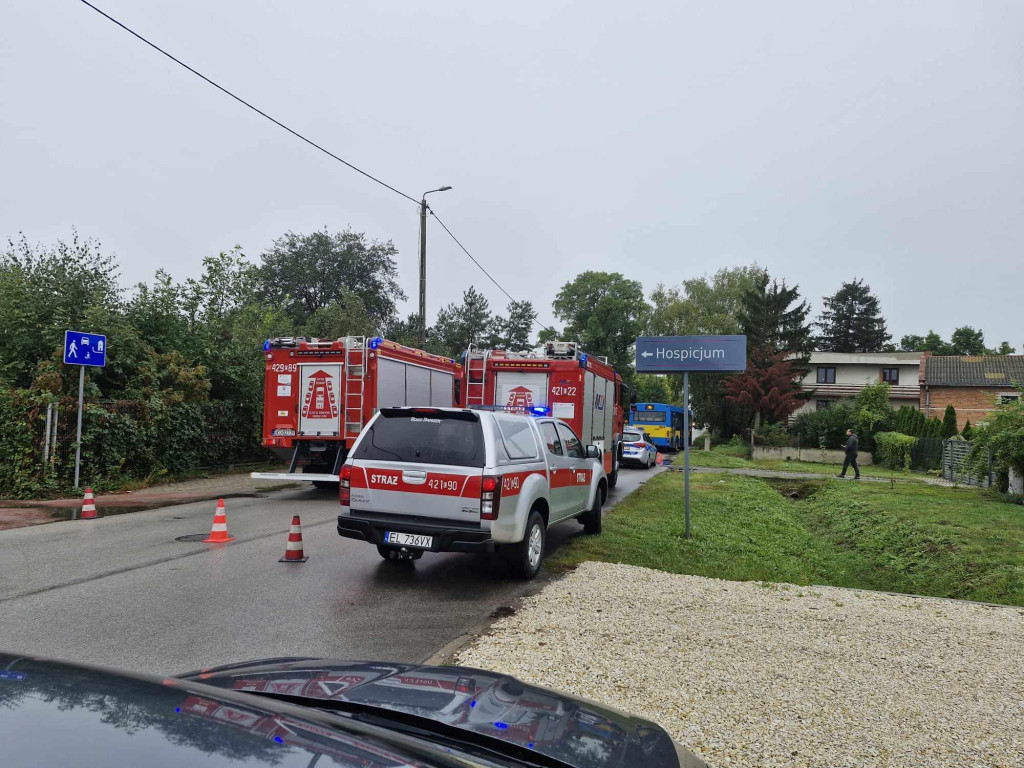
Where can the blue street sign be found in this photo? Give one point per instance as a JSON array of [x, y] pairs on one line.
[[85, 349], [9, 674], [691, 354]]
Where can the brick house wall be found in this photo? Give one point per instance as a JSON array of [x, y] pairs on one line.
[[974, 403]]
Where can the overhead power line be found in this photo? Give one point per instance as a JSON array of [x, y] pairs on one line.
[[240, 100], [299, 136]]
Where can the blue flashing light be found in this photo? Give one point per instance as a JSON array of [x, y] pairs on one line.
[[375, 342], [279, 740], [501, 726], [539, 410], [583, 359], [472, 704], [530, 745], [266, 345], [177, 709]]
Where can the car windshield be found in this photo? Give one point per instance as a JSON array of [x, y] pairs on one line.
[[633, 437], [426, 437]]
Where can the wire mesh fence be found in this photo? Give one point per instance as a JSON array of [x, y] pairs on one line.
[[955, 469]]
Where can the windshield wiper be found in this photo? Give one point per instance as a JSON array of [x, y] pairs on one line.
[[425, 727]]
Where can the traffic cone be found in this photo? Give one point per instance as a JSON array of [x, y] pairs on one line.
[[660, 460], [293, 550], [88, 507], [219, 532]]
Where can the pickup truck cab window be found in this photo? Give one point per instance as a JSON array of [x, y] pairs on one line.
[[547, 431], [573, 447]]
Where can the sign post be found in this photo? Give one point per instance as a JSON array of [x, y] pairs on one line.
[[83, 349], [685, 355]]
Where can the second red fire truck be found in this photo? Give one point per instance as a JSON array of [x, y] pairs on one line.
[[561, 381]]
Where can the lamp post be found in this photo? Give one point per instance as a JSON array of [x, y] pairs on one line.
[[423, 264]]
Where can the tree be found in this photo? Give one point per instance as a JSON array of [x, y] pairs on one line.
[[605, 312], [653, 388], [967, 341], [852, 321], [767, 388], [931, 343], [1005, 349], [949, 422], [968, 430], [772, 315], [45, 290], [875, 414], [514, 331], [460, 325], [303, 273]]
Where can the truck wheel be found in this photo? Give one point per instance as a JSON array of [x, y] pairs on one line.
[[528, 555], [324, 484], [613, 478], [392, 554], [592, 519]]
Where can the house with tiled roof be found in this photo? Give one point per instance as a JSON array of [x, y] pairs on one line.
[[974, 385], [835, 376]]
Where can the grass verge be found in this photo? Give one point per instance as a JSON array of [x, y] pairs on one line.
[[914, 538], [727, 459]]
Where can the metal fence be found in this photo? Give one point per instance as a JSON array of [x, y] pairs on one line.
[[927, 454], [954, 465]]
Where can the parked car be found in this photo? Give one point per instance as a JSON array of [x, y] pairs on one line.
[[289, 713], [460, 480], [638, 448]]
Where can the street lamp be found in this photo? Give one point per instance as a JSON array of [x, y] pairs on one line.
[[423, 264]]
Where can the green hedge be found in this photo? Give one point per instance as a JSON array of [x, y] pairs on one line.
[[893, 450], [121, 441]]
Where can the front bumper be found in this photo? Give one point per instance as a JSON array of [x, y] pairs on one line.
[[448, 536]]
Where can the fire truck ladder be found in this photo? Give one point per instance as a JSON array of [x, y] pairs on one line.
[[355, 379], [475, 387]]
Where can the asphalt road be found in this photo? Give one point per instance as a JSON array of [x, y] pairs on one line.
[[120, 590]]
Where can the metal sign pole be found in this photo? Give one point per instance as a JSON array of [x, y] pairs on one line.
[[78, 441], [686, 446]]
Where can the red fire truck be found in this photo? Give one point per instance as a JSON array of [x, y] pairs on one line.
[[561, 381], [318, 393]]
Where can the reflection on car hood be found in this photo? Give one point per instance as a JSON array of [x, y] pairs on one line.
[[575, 731], [60, 714]]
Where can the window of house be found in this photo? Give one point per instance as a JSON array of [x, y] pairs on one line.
[[826, 375], [823, 404], [891, 375], [1009, 398]]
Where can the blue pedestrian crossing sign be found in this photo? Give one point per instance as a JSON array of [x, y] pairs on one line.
[[85, 349]]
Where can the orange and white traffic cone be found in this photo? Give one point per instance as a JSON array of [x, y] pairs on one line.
[[219, 532], [293, 550], [660, 459], [88, 507]]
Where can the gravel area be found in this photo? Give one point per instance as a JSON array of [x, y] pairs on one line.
[[748, 674]]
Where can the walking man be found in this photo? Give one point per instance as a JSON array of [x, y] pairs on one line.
[[851, 455]]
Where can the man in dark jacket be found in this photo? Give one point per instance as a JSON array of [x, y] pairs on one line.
[[851, 455]]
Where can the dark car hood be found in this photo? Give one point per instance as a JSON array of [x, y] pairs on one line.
[[576, 731], [56, 713]]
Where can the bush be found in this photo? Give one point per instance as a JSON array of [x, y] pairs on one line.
[[908, 420], [949, 422], [826, 428], [968, 430], [893, 450], [1003, 436], [774, 435]]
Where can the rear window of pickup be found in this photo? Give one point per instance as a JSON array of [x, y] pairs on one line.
[[424, 437]]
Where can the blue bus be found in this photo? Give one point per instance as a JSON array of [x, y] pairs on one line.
[[663, 422]]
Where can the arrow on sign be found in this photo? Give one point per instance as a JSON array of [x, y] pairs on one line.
[[647, 354]]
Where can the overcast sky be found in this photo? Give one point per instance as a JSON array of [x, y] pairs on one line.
[[665, 140]]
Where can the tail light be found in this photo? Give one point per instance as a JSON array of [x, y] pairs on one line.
[[345, 486], [465, 685], [490, 496], [639, 445]]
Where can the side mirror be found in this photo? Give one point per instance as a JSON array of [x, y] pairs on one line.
[[593, 452]]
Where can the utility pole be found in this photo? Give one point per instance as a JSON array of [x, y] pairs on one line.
[[423, 264]]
